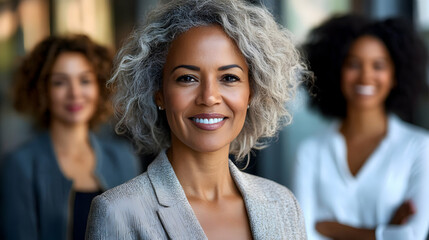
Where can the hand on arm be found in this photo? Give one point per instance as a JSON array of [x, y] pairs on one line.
[[340, 231], [406, 210]]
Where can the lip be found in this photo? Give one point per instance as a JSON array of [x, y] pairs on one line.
[[74, 107], [208, 116]]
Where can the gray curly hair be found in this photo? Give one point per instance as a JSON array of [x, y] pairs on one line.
[[275, 70]]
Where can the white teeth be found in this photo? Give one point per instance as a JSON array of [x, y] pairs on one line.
[[207, 120], [365, 89]]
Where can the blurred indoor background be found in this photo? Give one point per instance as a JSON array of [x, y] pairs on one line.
[[23, 23]]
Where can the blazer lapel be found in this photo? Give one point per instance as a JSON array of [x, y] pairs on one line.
[[263, 218], [175, 212]]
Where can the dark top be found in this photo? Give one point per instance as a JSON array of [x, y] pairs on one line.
[[82, 202]]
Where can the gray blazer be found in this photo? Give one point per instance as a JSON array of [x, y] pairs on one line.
[[154, 206]]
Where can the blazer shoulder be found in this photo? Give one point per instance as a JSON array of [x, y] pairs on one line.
[[133, 188], [25, 154], [278, 204], [125, 211], [270, 189]]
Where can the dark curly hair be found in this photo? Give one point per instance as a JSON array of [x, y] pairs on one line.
[[328, 45], [30, 88]]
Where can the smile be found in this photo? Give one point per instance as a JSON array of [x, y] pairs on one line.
[[74, 108], [207, 120], [366, 90]]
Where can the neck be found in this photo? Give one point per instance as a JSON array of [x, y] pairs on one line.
[[203, 176], [67, 137], [364, 123]]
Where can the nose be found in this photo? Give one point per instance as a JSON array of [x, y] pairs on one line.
[[366, 74], [74, 89], [209, 93]]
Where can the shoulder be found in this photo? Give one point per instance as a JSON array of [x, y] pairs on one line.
[[310, 149], [117, 153], [123, 209], [409, 130], [24, 155], [269, 189], [321, 136], [407, 134], [277, 201], [136, 189], [114, 146], [130, 189], [18, 168]]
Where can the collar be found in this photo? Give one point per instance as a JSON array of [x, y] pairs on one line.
[[171, 196], [48, 148]]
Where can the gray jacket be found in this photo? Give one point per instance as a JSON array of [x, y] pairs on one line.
[[154, 206], [36, 199]]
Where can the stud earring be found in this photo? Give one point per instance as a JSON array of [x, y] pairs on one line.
[[248, 106], [160, 108]]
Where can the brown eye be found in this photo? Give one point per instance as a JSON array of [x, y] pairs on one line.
[[85, 81], [57, 82], [352, 64], [230, 78], [379, 66], [186, 79]]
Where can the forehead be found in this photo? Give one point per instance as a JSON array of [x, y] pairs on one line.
[[369, 46], [71, 61], [203, 43]]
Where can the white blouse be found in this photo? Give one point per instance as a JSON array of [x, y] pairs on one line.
[[398, 170]]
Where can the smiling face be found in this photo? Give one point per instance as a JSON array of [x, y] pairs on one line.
[[367, 74], [73, 89], [205, 90]]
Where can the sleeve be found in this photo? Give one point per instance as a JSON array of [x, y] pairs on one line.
[[417, 226], [303, 185], [17, 199], [104, 222]]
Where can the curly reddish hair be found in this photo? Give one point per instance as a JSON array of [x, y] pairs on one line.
[[31, 91]]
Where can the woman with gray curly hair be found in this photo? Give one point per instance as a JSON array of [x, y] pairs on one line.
[[199, 81]]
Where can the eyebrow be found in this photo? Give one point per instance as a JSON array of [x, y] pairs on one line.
[[64, 74], [195, 68], [229, 67], [190, 67]]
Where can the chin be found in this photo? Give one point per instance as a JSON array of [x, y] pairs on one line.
[[77, 121], [208, 146]]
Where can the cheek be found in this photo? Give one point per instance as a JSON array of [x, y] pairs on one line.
[[388, 80], [177, 98], [238, 99], [347, 79], [56, 95], [175, 103], [348, 75], [92, 93]]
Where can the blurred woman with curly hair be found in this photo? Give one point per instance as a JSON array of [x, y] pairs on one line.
[[366, 176], [199, 81], [47, 184]]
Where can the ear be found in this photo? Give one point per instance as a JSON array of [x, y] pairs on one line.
[[159, 98], [250, 94]]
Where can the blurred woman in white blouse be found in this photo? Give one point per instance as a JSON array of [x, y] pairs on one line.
[[367, 175]]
